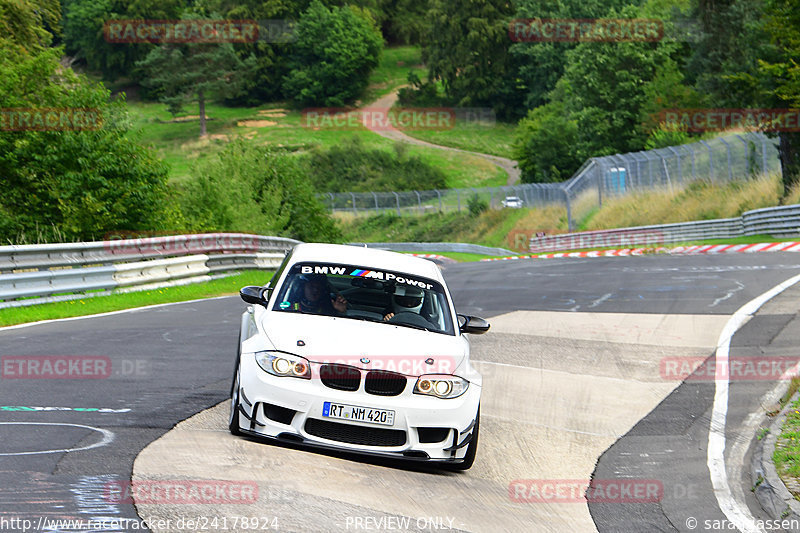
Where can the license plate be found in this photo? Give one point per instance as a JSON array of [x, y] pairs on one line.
[[359, 414]]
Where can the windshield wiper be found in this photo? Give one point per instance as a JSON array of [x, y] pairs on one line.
[[414, 326]]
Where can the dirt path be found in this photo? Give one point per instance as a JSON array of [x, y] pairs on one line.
[[390, 132]]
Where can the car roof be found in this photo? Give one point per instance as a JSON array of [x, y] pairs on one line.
[[366, 257]]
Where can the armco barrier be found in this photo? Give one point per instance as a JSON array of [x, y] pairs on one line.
[[45, 256], [459, 247], [44, 270], [774, 221]]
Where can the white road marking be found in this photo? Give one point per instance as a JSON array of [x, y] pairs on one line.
[[740, 287], [108, 438], [736, 511], [601, 300]]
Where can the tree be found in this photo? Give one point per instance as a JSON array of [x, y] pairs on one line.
[[731, 41], [781, 79], [85, 40], [546, 146], [255, 189], [609, 90], [184, 73], [74, 184], [333, 55], [541, 64], [467, 49], [28, 23]]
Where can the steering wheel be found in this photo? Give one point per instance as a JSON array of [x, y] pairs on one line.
[[407, 317]]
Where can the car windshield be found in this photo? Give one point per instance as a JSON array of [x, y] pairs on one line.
[[362, 293]]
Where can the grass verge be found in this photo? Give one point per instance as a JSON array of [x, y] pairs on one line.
[[392, 72], [128, 300], [787, 450], [177, 141], [486, 138]]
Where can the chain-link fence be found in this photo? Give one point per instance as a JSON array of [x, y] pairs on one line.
[[716, 160]]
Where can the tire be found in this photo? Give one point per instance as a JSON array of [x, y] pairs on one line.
[[233, 418], [472, 447]]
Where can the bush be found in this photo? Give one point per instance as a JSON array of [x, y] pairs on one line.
[[253, 189], [546, 144], [335, 52], [476, 205], [66, 185], [350, 166]]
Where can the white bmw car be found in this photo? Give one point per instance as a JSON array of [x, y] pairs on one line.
[[360, 350]]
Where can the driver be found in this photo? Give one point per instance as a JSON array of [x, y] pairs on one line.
[[316, 299], [406, 299]]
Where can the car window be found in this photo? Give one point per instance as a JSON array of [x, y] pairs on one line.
[[383, 296]]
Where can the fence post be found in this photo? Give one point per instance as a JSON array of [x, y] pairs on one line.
[[710, 160], [440, 198], [397, 200], [599, 179], [728, 149], [746, 153], [570, 225], [678, 156], [419, 201], [376, 201]]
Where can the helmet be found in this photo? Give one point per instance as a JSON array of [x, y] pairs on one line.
[[407, 299]]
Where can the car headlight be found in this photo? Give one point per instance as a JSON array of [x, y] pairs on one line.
[[441, 386], [284, 365]]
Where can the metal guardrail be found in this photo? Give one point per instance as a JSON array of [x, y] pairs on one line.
[[774, 221], [423, 247], [44, 270]]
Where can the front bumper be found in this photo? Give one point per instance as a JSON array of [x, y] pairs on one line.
[[290, 409]]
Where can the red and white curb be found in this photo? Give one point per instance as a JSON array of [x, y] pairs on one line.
[[436, 257], [679, 250]]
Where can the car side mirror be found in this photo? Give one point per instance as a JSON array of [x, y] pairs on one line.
[[473, 324], [255, 295]]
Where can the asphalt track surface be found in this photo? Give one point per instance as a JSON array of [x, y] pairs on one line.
[[168, 363]]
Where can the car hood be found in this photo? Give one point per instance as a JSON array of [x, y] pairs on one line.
[[364, 344]]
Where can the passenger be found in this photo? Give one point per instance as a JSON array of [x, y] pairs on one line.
[[315, 297]]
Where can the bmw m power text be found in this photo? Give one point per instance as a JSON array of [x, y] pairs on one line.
[[358, 350]]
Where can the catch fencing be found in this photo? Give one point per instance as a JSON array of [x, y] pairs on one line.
[[721, 159]]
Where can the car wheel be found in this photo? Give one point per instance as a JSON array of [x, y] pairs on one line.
[[472, 447], [233, 419]]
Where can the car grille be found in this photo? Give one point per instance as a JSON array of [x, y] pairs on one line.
[[384, 383], [340, 377], [351, 434]]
